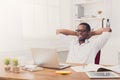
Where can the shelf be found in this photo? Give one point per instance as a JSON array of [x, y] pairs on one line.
[[86, 19], [79, 2]]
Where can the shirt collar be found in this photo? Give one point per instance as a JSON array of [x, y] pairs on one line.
[[86, 41]]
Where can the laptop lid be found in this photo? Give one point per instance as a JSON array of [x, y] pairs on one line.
[[45, 57]]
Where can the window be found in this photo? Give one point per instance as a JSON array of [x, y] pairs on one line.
[[40, 18]]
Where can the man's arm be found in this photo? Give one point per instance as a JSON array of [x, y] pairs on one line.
[[100, 31], [66, 32]]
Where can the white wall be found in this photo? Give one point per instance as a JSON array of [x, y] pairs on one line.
[[111, 50], [23, 24], [41, 18], [11, 25], [16, 24]]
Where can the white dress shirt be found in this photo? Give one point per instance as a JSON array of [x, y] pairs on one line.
[[86, 52]]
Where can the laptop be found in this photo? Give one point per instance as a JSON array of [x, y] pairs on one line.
[[48, 58], [101, 75]]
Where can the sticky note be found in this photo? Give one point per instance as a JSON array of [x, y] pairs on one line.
[[63, 72]]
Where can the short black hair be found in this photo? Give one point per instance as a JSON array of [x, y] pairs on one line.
[[88, 28]]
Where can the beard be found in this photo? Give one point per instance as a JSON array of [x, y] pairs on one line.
[[81, 39]]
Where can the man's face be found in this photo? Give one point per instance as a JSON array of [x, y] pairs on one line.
[[82, 32]]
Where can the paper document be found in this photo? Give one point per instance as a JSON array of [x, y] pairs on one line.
[[32, 68], [89, 67], [94, 67], [115, 68]]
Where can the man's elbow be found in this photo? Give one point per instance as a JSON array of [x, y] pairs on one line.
[[107, 30], [110, 30]]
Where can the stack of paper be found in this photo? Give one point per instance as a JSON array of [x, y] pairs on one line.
[[32, 68]]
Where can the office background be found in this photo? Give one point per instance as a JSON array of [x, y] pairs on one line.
[[25, 24]]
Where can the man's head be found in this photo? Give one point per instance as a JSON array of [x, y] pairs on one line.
[[83, 31]]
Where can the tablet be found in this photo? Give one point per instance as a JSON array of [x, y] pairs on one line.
[[102, 75]]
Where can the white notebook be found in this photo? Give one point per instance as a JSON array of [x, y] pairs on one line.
[[102, 75]]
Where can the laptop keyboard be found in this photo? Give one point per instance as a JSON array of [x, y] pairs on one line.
[[61, 65]]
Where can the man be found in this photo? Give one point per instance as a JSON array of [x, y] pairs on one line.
[[83, 50]]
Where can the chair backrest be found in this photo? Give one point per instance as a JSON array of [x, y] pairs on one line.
[[97, 58]]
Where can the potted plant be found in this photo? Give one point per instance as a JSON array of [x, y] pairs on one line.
[[15, 67], [6, 63]]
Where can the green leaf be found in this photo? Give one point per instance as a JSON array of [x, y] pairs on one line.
[[6, 61], [15, 62]]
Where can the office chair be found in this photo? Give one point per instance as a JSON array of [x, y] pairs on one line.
[[97, 58]]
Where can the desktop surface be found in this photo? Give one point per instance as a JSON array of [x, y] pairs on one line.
[[45, 74]]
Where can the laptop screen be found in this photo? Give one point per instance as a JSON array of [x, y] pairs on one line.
[[45, 57]]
